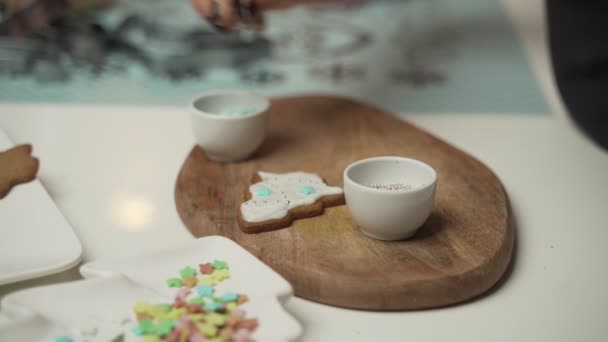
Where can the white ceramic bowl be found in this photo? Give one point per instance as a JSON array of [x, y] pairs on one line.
[[229, 125], [389, 214]]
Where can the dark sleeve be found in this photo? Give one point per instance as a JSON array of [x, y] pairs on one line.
[[578, 38]]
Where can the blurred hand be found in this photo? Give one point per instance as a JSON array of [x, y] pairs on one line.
[[228, 14]]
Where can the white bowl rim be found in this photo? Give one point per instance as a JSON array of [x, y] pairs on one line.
[[199, 112], [389, 192]]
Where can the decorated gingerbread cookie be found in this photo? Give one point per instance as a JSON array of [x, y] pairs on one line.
[[16, 166], [275, 200]]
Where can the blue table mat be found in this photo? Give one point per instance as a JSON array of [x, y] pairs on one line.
[[453, 56]]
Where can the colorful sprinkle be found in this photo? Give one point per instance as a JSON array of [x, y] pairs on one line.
[[219, 265], [231, 306], [213, 306], [206, 268], [174, 282], [249, 324], [142, 307], [182, 294], [197, 301], [307, 190], [216, 319], [203, 317], [187, 272], [164, 327], [220, 275], [205, 290], [229, 297], [207, 329], [196, 337], [151, 338], [238, 313], [147, 327], [163, 307], [190, 282], [207, 281], [264, 192], [226, 333], [243, 298]]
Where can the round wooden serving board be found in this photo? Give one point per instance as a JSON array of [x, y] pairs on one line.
[[462, 250]]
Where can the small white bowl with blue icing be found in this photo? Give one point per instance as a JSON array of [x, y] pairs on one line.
[[229, 125]]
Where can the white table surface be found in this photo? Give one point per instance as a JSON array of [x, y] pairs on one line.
[[111, 170]]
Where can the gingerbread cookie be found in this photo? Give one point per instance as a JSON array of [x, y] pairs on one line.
[[275, 200], [17, 166]]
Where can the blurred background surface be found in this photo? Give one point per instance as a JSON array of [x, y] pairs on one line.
[[405, 56]]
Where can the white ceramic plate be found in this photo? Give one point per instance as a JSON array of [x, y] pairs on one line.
[[35, 238], [103, 302]]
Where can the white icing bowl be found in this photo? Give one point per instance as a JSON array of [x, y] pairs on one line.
[[229, 125], [389, 197]]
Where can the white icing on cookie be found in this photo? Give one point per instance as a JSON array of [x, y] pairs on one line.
[[276, 194]]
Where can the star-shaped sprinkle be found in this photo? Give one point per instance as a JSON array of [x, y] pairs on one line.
[[243, 298], [231, 321], [207, 281], [174, 282], [190, 282], [213, 306], [238, 313], [307, 190], [197, 317], [207, 329], [164, 327], [220, 275], [206, 268], [219, 265], [216, 319], [226, 333], [249, 324], [137, 331], [194, 308], [142, 307], [182, 294], [264, 192], [147, 327], [197, 337], [229, 297], [143, 316], [231, 306], [187, 272], [163, 307], [205, 290], [197, 301], [176, 314]]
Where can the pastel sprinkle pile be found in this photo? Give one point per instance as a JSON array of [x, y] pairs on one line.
[[198, 313]]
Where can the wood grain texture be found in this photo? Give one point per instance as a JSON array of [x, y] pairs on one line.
[[300, 212], [461, 251]]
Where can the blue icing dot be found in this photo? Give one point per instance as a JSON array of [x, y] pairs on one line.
[[264, 192], [307, 190]]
